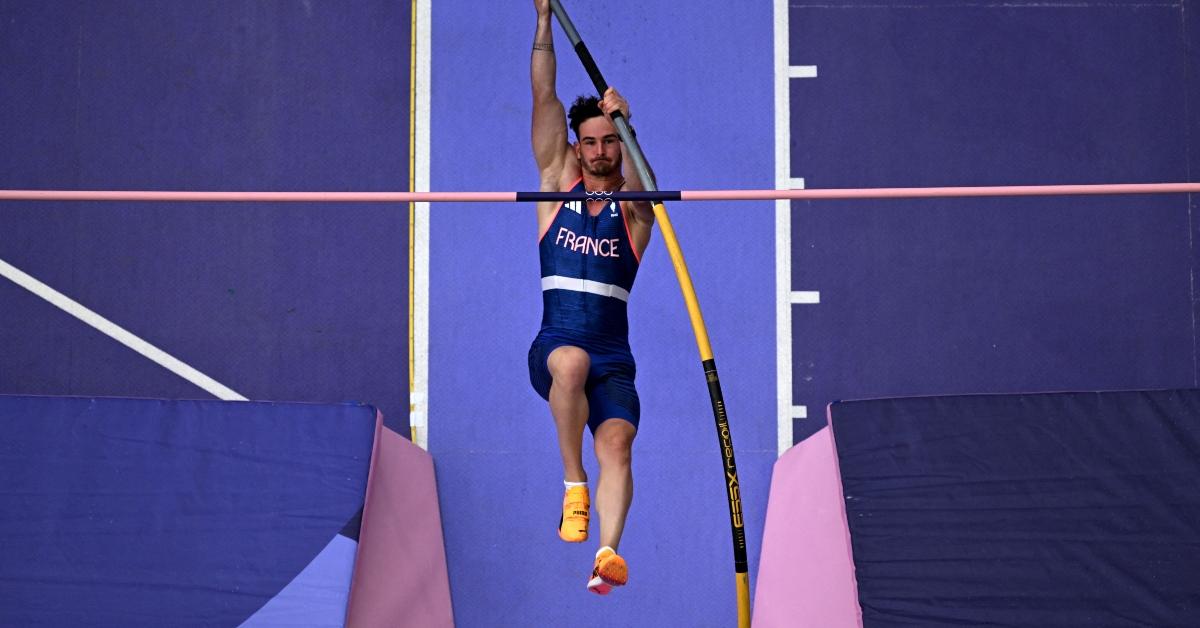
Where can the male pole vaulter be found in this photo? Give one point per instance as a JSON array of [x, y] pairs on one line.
[[580, 360]]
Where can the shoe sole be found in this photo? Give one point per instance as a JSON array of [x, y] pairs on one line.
[[602, 585], [598, 586]]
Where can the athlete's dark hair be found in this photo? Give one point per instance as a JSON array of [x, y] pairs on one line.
[[584, 108]]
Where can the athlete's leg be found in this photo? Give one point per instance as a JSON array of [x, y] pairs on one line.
[[569, 368], [614, 492]]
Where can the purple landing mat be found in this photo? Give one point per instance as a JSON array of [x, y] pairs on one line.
[[177, 513], [1067, 509], [806, 575]]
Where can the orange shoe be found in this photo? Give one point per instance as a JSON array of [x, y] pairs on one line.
[[573, 524], [609, 571]]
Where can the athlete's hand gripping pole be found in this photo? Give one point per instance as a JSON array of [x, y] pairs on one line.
[[733, 489]]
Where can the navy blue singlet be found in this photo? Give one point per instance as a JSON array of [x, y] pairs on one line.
[[588, 268]]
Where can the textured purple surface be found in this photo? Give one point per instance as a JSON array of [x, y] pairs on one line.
[[490, 434]]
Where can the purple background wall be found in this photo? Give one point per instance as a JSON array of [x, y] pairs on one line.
[[491, 436], [285, 302], [992, 295]]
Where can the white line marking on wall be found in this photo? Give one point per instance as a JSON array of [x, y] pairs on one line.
[[783, 233], [118, 333], [799, 412], [805, 297], [418, 417], [802, 71], [796, 183]]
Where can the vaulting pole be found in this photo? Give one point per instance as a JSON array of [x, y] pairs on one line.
[[733, 489]]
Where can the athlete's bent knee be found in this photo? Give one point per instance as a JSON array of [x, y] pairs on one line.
[[569, 366]]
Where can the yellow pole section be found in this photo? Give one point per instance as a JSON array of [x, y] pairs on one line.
[[685, 281], [743, 599]]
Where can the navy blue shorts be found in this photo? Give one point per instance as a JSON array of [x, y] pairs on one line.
[[609, 387]]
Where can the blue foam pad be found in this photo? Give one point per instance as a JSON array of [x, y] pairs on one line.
[[1074, 509], [169, 513]]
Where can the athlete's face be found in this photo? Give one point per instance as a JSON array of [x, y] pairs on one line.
[[599, 147]]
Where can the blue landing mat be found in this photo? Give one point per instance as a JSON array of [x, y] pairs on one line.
[[1073, 509], [122, 512]]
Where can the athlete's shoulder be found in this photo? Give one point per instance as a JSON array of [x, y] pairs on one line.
[[572, 184]]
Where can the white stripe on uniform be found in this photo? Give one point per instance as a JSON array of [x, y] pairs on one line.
[[558, 282]]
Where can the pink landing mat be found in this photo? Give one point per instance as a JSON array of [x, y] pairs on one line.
[[400, 576], [806, 574]]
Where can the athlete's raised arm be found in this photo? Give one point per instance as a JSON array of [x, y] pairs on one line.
[[549, 129]]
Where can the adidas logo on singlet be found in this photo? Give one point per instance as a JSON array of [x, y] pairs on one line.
[[575, 206]]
